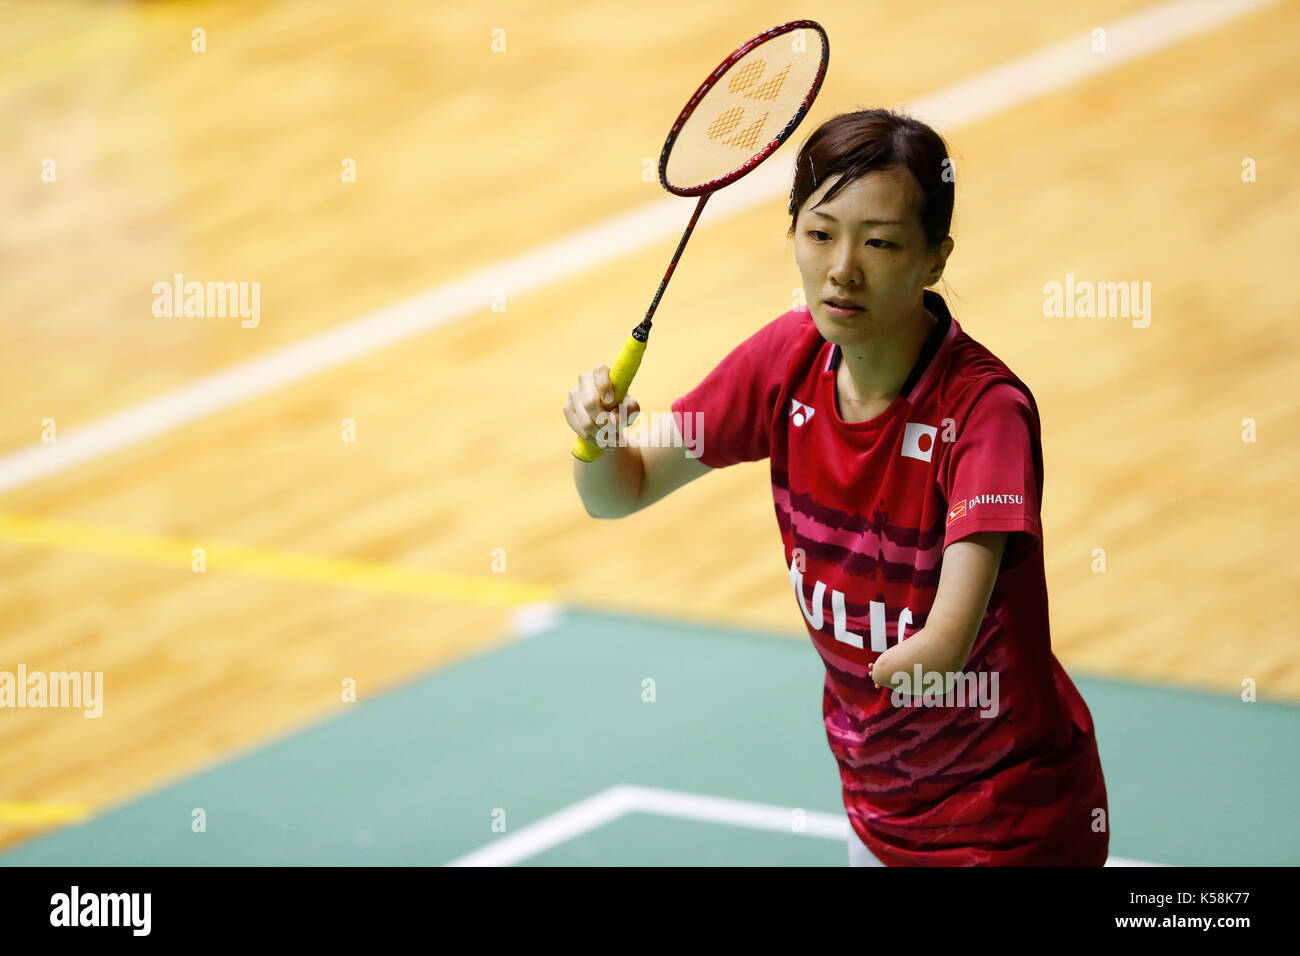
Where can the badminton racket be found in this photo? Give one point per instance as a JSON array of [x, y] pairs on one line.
[[739, 116]]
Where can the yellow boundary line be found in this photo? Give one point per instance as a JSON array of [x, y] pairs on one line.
[[43, 813], [306, 568]]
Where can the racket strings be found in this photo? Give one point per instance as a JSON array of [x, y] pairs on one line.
[[757, 99]]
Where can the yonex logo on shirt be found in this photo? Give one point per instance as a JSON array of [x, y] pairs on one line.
[[798, 410]]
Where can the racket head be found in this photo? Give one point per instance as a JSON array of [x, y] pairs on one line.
[[746, 109]]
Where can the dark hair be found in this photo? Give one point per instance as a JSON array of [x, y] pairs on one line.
[[857, 143]]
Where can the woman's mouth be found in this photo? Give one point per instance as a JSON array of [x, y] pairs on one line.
[[842, 312]]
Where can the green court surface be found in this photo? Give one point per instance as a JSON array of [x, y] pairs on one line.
[[728, 765]]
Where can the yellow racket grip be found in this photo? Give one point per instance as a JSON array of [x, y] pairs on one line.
[[620, 376]]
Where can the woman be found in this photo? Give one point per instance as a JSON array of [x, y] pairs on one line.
[[907, 474]]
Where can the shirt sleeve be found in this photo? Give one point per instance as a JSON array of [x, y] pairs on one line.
[[994, 477], [730, 412]]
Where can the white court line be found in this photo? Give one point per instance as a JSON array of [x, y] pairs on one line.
[[964, 102], [551, 831], [609, 805], [740, 813], [529, 620]]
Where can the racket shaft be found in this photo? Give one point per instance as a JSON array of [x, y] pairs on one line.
[[629, 359]]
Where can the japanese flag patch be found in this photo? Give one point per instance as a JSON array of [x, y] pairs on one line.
[[918, 441]]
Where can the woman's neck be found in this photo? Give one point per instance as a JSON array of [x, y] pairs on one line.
[[874, 371]]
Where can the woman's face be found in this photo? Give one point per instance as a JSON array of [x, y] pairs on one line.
[[866, 246]]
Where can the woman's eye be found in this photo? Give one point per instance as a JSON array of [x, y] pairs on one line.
[[820, 236]]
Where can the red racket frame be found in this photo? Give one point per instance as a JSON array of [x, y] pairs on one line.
[[712, 81]]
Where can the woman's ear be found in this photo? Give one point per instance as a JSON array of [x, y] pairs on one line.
[[940, 260]]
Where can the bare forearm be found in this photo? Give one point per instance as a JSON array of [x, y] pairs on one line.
[[610, 486], [934, 651], [966, 581]]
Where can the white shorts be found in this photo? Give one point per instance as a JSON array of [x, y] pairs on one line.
[[859, 854]]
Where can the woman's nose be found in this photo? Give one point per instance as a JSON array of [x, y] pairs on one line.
[[844, 268]]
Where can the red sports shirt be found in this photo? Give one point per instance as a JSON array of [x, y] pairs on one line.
[[865, 511]]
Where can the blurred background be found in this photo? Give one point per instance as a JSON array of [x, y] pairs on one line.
[[317, 551]]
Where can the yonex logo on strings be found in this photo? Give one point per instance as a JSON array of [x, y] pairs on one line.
[[742, 81]]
